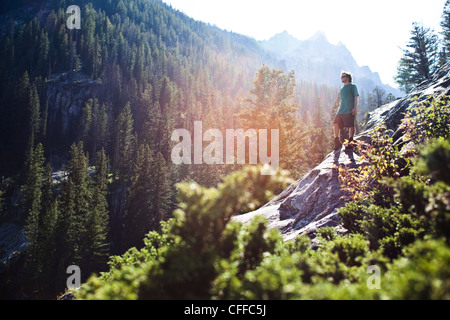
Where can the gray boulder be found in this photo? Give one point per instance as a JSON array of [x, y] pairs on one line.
[[309, 204]]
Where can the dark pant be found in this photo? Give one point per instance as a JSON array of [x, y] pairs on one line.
[[345, 121]]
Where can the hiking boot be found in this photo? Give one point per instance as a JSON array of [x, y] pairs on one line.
[[350, 145], [337, 144]]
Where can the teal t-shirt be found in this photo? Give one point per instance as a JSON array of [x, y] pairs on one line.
[[348, 94]]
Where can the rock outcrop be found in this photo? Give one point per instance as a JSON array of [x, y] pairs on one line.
[[312, 202], [391, 114], [309, 204], [66, 94]]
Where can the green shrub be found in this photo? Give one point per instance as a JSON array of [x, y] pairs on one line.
[[350, 250], [435, 160], [351, 215], [422, 274], [428, 119]]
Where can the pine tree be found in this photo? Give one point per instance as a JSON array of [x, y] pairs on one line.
[[48, 201], [47, 191], [44, 120], [376, 98], [149, 196], [32, 204], [137, 217], [162, 190], [75, 202], [124, 137], [34, 170], [94, 126], [86, 119], [47, 237], [445, 24], [43, 56], [23, 89], [34, 110], [159, 117], [272, 106], [98, 219], [166, 104], [99, 128], [74, 58], [49, 245], [420, 60]]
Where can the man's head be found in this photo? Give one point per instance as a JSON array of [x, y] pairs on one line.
[[346, 77]]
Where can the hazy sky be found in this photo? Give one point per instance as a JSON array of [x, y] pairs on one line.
[[374, 31]]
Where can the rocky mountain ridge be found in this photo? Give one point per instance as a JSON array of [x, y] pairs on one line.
[[312, 202], [319, 61]]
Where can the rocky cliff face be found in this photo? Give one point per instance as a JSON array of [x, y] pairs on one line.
[[312, 202], [66, 95]]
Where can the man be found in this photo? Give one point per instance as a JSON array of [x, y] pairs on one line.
[[347, 111]]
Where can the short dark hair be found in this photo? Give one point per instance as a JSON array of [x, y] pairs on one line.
[[348, 75]]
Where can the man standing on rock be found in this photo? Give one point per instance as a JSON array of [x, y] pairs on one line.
[[347, 111]]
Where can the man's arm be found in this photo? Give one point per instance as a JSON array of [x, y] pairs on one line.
[[355, 109]]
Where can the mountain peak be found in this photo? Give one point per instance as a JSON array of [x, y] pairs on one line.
[[281, 41], [283, 36], [319, 36], [318, 60]]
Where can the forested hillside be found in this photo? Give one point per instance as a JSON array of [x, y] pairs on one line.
[[131, 48]]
